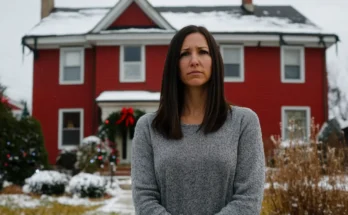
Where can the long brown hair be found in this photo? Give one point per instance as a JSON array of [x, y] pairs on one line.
[[167, 119]]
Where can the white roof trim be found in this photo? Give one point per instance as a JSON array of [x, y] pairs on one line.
[[121, 6], [128, 95], [165, 38]]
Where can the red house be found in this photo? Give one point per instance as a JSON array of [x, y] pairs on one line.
[[91, 61]]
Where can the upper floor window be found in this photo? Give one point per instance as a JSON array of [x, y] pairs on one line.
[[233, 57], [292, 66], [71, 66], [132, 64], [295, 123]]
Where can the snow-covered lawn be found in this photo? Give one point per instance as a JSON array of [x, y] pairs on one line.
[[119, 202]]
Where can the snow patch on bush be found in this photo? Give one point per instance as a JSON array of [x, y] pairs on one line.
[[85, 184], [46, 179]]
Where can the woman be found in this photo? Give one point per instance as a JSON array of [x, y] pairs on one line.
[[197, 154]]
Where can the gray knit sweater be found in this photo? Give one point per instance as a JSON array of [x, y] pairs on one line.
[[220, 173]]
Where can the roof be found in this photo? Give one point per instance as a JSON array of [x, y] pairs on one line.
[[81, 19]]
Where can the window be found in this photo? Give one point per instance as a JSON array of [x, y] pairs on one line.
[[71, 66], [295, 123], [292, 65], [233, 57], [70, 128], [132, 64]]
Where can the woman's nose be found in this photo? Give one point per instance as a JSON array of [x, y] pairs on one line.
[[194, 59]]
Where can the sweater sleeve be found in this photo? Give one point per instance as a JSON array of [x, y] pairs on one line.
[[248, 185], [145, 191]]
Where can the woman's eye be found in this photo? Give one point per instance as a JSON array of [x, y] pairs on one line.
[[203, 52], [184, 54]]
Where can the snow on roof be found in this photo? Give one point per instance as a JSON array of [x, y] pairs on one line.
[[225, 21], [80, 17], [84, 3], [128, 96], [69, 22]]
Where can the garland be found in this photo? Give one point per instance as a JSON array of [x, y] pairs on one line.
[[121, 123]]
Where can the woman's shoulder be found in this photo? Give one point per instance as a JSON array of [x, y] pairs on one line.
[[244, 113], [146, 119]]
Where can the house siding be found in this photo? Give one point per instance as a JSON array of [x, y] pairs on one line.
[[264, 92], [108, 69], [133, 16], [49, 96], [261, 91]]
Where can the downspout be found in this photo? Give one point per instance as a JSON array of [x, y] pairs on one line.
[[325, 81], [95, 122]]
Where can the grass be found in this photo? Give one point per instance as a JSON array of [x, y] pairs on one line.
[[53, 208]]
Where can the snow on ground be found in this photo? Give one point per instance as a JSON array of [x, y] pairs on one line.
[[120, 202], [19, 200]]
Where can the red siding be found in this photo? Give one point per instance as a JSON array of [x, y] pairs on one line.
[[133, 16], [108, 68], [263, 91], [49, 97]]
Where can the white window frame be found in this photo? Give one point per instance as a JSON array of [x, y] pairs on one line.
[[241, 78], [302, 66], [61, 65], [143, 60], [60, 126], [296, 108]]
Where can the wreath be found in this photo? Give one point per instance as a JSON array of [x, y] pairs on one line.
[[121, 123]]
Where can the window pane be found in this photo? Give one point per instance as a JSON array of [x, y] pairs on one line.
[[296, 124], [292, 72], [71, 137], [72, 73], [292, 57], [71, 120], [232, 70], [231, 55], [132, 53], [132, 71], [72, 59]]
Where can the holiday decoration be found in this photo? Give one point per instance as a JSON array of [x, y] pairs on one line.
[[22, 149], [121, 123]]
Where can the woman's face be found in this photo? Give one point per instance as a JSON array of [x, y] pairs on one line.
[[195, 61]]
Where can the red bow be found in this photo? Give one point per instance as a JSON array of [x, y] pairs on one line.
[[127, 115]]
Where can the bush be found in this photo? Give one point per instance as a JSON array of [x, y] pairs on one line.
[[307, 178], [46, 182], [92, 156], [87, 185], [1, 182], [66, 160], [22, 149]]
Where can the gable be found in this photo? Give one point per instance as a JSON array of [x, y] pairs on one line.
[[133, 16]]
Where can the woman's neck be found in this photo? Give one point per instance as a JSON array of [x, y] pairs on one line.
[[194, 105]]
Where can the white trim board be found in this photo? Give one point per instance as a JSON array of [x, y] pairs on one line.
[[60, 126], [165, 38], [121, 6], [300, 108]]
